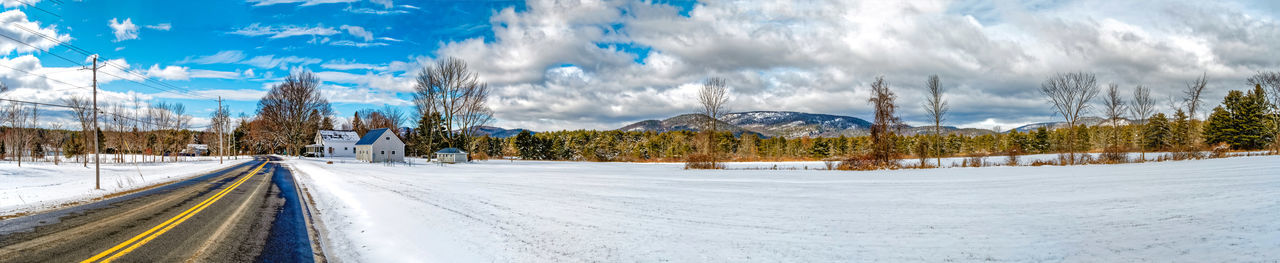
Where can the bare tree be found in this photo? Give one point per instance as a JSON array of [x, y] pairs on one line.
[[81, 110], [289, 106], [1271, 82], [1142, 107], [1191, 98], [1070, 94], [451, 90], [1115, 109], [885, 126], [937, 108], [713, 96]]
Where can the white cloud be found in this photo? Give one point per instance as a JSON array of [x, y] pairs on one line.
[[347, 65], [123, 30], [169, 72], [161, 27], [214, 74], [820, 55], [222, 57], [358, 32], [283, 31], [271, 61]]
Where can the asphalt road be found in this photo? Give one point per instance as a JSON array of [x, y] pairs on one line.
[[246, 213]]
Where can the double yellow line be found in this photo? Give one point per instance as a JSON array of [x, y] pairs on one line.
[[140, 239]]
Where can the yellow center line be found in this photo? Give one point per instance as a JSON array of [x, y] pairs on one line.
[[169, 224]]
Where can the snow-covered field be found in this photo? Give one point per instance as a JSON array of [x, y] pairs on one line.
[[524, 211], [42, 185]]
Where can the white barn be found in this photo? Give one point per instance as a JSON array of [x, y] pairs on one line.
[[380, 145], [334, 144]]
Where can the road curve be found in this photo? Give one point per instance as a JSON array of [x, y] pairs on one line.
[[245, 213]]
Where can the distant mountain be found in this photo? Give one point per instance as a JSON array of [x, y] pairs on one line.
[[1088, 121], [798, 124], [686, 122], [786, 124], [496, 132]]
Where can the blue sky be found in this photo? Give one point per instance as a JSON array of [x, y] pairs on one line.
[[602, 64]]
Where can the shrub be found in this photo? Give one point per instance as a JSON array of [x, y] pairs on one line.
[[701, 161], [973, 160], [865, 162], [1113, 155], [1220, 150]]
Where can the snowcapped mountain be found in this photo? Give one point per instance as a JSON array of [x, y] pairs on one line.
[[496, 132], [798, 124], [1088, 121], [786, 124], [685, 122]]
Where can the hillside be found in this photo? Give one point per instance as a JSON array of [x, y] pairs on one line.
[[784, 124], [496, 132], [1088, 121], [686, 122]]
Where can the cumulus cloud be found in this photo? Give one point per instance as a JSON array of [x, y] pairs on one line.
[[169, 72], [123, 30], [14, 23], [597, 64]]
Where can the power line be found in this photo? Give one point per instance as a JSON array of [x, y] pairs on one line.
[[46, 76], [99, 112], [46, 52], [172, 88], [41, 9]]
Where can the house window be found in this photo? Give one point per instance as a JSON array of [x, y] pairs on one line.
[[386, 139], [383, 152], [393, 152]]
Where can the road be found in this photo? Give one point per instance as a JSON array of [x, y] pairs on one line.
[[248, 212]]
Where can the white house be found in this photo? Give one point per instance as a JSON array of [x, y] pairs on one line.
[[334, 144], [380, 145], [451, 155]]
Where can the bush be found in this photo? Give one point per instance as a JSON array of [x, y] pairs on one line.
[[1220, 150], [1114, 155], [701, 161], [864, 163], [973, 160]]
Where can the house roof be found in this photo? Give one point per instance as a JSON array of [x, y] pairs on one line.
[[371, 136], [450, 150], [338, 136]]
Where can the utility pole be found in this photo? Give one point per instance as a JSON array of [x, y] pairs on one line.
[[97, 166], [221, 121]]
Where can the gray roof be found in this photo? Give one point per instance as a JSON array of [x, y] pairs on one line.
[[450, 150]]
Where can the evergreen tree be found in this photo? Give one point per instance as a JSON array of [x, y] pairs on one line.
[[1181, 131], [1241, 121], [326, 123], [72, 146], [1041, 142], [429, 137], [526, 144], [358, 125], [1157, 132]]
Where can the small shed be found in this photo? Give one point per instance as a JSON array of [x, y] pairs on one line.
[[451, 155]]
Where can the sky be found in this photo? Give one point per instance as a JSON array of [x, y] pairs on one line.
[[584, 64]]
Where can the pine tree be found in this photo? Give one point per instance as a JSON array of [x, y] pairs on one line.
[[1157, 132], [1241, 121], [358, 125], [1181, 131], [526, 145]]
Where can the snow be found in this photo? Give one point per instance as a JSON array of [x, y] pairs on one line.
[[42, 185], [530, 211]]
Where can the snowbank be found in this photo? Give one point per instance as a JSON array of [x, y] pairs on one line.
[[525, 211], [42, 185]]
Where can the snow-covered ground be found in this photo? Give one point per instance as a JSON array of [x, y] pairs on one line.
[[526, 211], [42, 185]]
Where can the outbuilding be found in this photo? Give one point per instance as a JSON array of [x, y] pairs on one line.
[[451, 155], [380, 145]]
